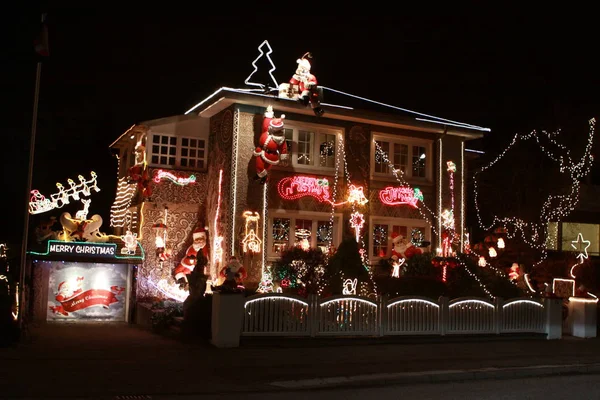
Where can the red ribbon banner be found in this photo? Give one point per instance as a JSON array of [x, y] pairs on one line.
[[89, 298]]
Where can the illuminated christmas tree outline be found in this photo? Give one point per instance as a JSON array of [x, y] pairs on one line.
[[262, 53]]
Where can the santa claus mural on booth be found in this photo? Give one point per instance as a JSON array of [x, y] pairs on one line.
[[197, 255], [272, 148]]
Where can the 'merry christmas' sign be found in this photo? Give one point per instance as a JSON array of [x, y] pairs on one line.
[[393, 196], [291, 188], [82, 249]]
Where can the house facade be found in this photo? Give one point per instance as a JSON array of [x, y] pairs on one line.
[[400, 173]]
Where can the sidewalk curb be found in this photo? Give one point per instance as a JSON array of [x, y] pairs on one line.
[[441, 376]]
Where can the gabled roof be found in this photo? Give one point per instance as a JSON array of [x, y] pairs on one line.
[[364, 113]]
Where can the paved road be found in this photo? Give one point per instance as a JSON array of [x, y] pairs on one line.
[[542, 388], [69, 361]]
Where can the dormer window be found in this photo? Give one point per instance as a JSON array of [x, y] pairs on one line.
[[178, 152]]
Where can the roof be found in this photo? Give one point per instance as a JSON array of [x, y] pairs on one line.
[[393, 117]]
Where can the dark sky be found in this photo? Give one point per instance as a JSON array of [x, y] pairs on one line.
[[107, 72]]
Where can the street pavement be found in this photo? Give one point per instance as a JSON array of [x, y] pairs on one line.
[[122, 361]]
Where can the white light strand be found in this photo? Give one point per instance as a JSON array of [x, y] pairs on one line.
[[400, 178], [118, 210], [556, 207], [365, 249], [234, 165], [474, 276], [457, 123]]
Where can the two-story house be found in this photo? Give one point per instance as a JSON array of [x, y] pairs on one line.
[[201, 171]]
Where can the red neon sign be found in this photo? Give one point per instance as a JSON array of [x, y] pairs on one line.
[[393, 196], [292, 188], [160, 174]]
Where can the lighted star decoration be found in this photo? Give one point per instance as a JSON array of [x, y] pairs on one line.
[[579, 242], [357, 220]]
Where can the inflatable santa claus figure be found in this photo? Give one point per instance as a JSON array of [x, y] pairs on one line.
[[402, 248], [234, 273], [196, 254], [307, 85], [272, 147]]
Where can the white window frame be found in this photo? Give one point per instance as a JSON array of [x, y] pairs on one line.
[[293, 151], [178, 151], [410, 224], [294, 215], [410, 142]]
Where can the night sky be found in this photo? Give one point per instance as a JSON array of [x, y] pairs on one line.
[[107, 72]]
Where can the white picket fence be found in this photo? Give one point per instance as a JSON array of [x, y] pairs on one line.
[[279, 314]]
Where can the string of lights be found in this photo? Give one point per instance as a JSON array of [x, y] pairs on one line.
[[556, 207], [399, 175]]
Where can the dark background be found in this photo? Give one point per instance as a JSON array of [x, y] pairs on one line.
[[110, 70]]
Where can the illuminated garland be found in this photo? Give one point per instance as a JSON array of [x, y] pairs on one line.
[[555, 207], [118, 211], [362, 248], [399, 175]]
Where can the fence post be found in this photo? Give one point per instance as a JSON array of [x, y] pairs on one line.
[[498, 315], [443, 316], [226, 319], [554, 324], [313, 314], [382, 300]]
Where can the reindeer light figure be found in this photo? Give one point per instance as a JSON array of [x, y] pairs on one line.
[[82, 214]]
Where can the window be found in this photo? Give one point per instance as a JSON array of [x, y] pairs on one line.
[[413, 160], [192, 153], [306, 231], [311, 147], [418, 161], [382, 231], [164, 149], [566, 238], [174, 152]]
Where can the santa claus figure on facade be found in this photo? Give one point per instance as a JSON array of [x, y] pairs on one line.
[[234, 274], [196, 255], [139, 171], [307, 85], [402, 248], [272, 148]]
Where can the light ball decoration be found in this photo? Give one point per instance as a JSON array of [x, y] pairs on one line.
[[482, 262], [501, 243], [492, 252]]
